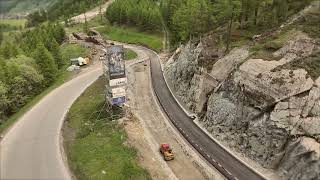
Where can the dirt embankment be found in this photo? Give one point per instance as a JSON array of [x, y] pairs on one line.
[[81, 18]]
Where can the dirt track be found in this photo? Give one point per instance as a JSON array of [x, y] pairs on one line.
[[153, 128], [92, 13]]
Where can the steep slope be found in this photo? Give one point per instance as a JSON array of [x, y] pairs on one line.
[[263, 99]]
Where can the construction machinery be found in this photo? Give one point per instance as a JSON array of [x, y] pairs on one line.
[[80, 61], [166, 151]]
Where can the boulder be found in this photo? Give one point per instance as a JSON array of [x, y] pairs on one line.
[[314, 96], [224, 66], [270, 87], [301, 45]]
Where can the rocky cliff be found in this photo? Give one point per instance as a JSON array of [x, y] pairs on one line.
[[267, 109]]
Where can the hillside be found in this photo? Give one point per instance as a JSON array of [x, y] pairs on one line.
[[14, 7], [263, 97]]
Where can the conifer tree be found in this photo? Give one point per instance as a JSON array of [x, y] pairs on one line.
[[46, 63]]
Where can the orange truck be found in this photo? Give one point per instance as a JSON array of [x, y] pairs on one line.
[[166, 152]]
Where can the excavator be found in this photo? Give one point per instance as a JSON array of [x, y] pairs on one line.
[[166, 152]]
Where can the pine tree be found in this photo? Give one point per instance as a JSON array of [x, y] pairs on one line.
[[8, 50], [192, 18], [55, 51], [3, 101], [3, 70], [1, 36], [46, 63]]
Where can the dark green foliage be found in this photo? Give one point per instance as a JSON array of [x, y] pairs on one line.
[[143, 14], [21, 80], [46, 63], [3, 101], [55, 50], [37, 18], [192, 18], [8, 50], [22, 77], [1, 36], [8, 27], [58, 33], [49, 35], [3, 70], [185, 19]]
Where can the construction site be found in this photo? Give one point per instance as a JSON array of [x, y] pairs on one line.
[[210, 91]]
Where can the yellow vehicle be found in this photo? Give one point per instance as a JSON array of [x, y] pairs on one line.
[[166, 151], [80, 61]]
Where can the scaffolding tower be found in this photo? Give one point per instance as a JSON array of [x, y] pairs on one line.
[[115, 73]]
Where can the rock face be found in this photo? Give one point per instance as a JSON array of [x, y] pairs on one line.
[[192, 82], [258, 79], [269, 113], [183, 73]]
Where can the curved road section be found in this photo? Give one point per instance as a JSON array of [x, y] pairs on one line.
[[31, 148], [226, 163]]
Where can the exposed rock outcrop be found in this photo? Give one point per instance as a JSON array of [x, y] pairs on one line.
[[183, 72], [268, 112], [270, 87], [191, 81]]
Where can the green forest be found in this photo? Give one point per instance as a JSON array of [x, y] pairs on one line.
[[191, 18], [140, 13], [29, 62]]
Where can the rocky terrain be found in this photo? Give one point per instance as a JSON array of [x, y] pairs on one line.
[[267, 109]]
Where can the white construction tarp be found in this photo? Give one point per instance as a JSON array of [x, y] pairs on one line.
[[118, 82], [117, 92]]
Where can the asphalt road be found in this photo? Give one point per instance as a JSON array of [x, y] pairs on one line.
[[31, 148], [227, 164]]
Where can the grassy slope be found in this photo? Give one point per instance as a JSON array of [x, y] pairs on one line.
[[129, 54], [131, 35], [66, 50], [14, 22], [122, 34], [95, 142], [69, 51]]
